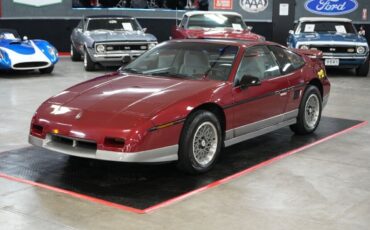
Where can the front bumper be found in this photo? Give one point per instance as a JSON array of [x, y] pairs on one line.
[[165, 154], [116, 57], [346, 61]]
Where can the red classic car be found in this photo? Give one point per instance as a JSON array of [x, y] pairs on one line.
[[213, 24], [183, 100]]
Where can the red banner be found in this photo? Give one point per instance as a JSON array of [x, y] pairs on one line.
[[222, 4]]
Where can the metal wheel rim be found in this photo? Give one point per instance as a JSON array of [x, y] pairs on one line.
[[205, 142], [312, 111]]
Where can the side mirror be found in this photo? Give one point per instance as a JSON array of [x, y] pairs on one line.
[[250, 28], [126, 59], [291, 32], [25, 38], [248, 81], [145, 29]]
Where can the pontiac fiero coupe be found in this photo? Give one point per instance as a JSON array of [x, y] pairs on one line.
[[213, 24], [184, 100]]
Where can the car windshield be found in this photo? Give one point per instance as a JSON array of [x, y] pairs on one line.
[[187, 60], [214, 21], [8, 34], [327, 27], [126, 24]]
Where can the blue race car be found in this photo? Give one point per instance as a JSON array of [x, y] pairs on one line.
[[337, 38], [18, 54]]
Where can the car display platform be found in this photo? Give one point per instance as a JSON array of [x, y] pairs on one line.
[[142, 188]]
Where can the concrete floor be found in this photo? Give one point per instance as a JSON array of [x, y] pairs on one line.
[[324, 187]]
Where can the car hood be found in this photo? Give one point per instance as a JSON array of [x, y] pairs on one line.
[[330, 37], [18, 46], [103, 36], [128, 95], [224, 34]]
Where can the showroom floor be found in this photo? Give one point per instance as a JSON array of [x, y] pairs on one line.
[[326, 186]]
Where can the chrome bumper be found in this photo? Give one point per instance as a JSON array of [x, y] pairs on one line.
[[116, 57], [165, 154]]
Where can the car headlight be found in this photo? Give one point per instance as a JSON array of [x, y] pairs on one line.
[[361, 49], [1, 55], [304, 47], [100, 48], [152, 45], [52, 51]]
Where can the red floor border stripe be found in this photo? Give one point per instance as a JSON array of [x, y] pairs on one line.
[[64, 54], [185, 195]]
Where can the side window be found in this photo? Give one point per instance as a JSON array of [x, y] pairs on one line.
[[80, 24], [287, 60], [257, 62], [183, 21]]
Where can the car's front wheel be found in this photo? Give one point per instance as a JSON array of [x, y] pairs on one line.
[[200, 142], [309, 113], [75, 55], [88, 63], [363, 69], [47, 70]]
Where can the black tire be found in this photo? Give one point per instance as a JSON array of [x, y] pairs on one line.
[[197, 121], [47, 70], [88, 63], [75, 55], [363, 69], [302, 126]]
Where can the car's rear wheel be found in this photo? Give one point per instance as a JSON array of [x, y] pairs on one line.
[[200, 142], [88, 63], [47, 70], [363, 69], [75, 55], [309, 113]]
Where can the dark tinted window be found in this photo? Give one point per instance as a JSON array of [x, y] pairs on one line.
[[287, 60], [192, 60], [216, 21], [257, 62], [326, 27]]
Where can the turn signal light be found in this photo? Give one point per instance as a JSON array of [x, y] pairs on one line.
[[114, 142]]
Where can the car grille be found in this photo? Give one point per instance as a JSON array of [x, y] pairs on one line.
[[73, 143], [124, 47], [30, 64], [336, 49]]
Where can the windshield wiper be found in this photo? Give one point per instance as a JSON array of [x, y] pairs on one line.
[[170, 74], [131, 70]]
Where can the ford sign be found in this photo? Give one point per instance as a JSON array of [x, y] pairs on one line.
[[331, 7]]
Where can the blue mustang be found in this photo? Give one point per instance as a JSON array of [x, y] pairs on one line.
[[337, 38], [18, 54]]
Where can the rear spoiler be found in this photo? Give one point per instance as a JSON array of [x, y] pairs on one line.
[[309, 53]]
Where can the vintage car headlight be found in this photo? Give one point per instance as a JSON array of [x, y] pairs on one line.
[[152, 45], [52, 51], [1, 55], [100, 48], [361, 49], [304, 47]]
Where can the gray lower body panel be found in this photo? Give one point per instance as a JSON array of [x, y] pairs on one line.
[[168, 153]]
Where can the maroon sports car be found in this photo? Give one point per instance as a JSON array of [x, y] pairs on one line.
[[213, 24], [184, 100]]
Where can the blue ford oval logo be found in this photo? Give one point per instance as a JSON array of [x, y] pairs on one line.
[[331, 7]]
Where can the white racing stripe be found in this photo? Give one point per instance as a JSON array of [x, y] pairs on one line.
[[17, 58]]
